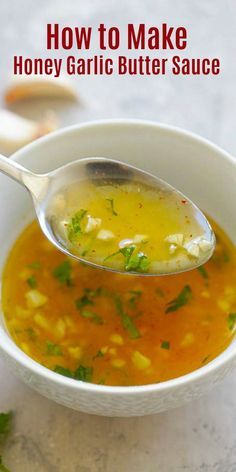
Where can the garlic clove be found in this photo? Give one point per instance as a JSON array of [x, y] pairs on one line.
[[205, 245], [172, 248], [16, 131], [92, 224], [192, 249], [24, 87], [105, 235], [177, 239], [125, 242], [140, 238]]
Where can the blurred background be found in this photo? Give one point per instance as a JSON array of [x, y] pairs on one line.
[[200, 436]]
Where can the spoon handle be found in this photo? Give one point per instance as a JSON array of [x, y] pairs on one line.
[[33, 182], [13, 169]]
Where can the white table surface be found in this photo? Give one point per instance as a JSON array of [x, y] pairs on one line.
[[200, 436]]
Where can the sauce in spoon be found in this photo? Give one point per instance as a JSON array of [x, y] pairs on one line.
[[131, 225]]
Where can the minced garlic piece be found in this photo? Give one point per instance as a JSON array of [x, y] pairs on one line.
[[187, 340], [118, 363], [140, 238], [92, 224], [140, 361], [192, 248], [35, 299], [41, 321], [117, 339], [75, 352], [105, 234], [177, 239]]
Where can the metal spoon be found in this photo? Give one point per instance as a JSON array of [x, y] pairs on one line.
[[44, 187]]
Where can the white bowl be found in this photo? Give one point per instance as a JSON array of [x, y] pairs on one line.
[[201, 170]]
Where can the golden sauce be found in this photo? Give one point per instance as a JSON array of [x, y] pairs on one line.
[[115, 329], [130, 227]]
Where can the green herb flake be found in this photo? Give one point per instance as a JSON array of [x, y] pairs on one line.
[[90, 315], [31, 333], [182, 299], [102, 381], [231, 320], [35, 265], [63, 273], [126, 320], [165, 345], [5, 425], [63, 371], [203, 272], [83, 301], [32, 282], [220, 258], [53, 349], [83, 373], [159, 292], [74, 227], [88, 297], [135, 297], [111, 202], [98, 355], [137, 262], [3, 468]]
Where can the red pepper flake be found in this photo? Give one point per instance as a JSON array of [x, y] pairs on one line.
[[184, 202]]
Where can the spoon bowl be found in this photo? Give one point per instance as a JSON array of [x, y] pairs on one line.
[[104, 172]]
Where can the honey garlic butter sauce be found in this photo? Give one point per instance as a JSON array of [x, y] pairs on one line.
[[130, 226]]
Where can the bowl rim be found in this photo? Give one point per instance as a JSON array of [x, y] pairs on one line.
[[13, 351]]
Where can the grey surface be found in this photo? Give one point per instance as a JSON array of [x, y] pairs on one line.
[[200, 436]]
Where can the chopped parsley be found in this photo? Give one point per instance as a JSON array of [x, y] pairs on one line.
[[35, 265], [165, 345], [220, 258], [159, 292], [127, 321], [87, 298], [135, 297], [74, 227], [53, 349], [32, 282], [138, 262], [81, 373], [98, 354], [31, 333], [203, 272], [5, 425], [182, 299], [231, 320], [3, 468], [111, 202], [102, 381], [63, 273], [133, 261], [63, 371], [90, 315]]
